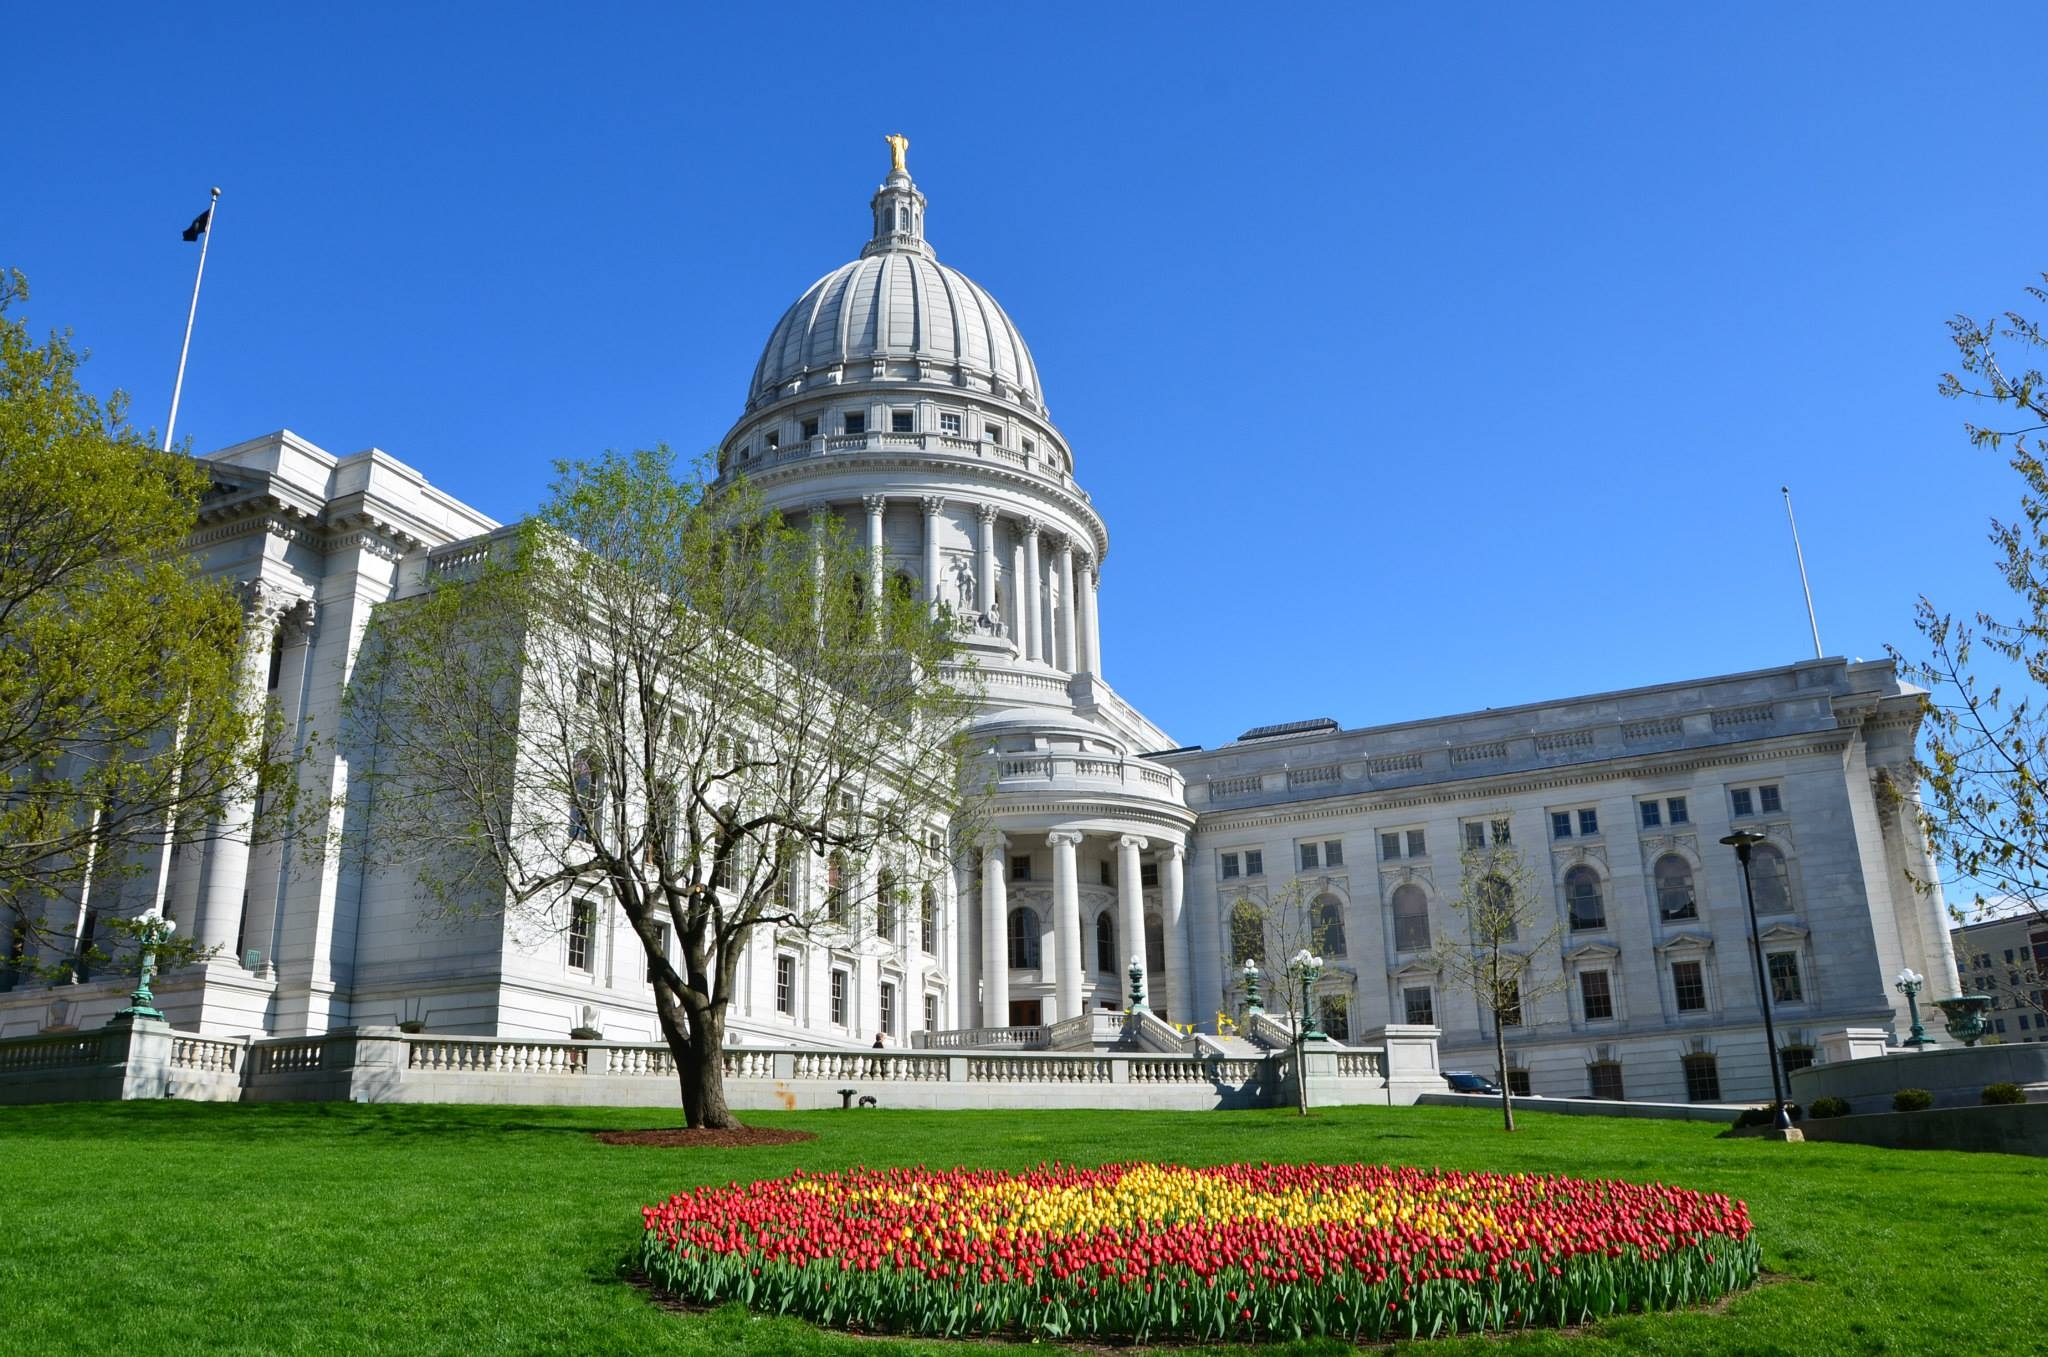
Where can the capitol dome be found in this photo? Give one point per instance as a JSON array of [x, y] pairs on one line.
[[894, 315]]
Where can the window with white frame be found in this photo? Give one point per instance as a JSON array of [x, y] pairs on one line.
[[785, 984], [927, 919], [931, 1012], [1582, 822], [1670, 810], [1020, 866], [582, 933], [1417, 1006], [949, 423], [1323, 853], [1403, 843], [992, 432], [1478, 833], [1689, 986], [841, 983], [1596, 996], [888, 1008], [1785, 983], [1762, 799], [903, 421], [1245, 862]]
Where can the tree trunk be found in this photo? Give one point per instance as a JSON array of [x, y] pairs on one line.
[[1301, 1066], [700, 1066], [1507, 1094]]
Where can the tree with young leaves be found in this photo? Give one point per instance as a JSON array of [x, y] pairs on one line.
[[1986, 729], [122, 711], [657, 695], [1506, 927], [1275, 930]]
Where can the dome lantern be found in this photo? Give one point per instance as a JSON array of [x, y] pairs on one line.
[[898, 208]]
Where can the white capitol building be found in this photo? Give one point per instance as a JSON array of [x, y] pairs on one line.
[[897, 394]]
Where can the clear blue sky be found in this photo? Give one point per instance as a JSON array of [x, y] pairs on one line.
[[1420, 359]]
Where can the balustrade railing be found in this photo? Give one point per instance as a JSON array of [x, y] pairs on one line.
[[206, 1054], [51, 1052], [982, 1038], [292, 1055]]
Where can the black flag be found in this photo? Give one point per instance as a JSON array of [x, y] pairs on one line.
[[198, 226]]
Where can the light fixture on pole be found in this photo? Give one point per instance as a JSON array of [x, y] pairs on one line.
[[154, 930], [1253, 1003], [1137, 974], [1308, 969], [1908, 982], [1742, 840]]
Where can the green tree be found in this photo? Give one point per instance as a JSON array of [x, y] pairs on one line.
[[1986, 732], [120, 710], [1494, 955], [658, 697]]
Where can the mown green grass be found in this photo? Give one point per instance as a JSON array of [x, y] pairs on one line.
[[171, 1228]]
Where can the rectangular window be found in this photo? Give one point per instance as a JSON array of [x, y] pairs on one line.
[[1227, 866], [1029, 447], [785, 985], [1020, 867], [1702, 1079], [1108, 872], [1589, 822], [1785, 986], [1767, 800], [1560, 824], [888, 1009], [582, 925], [1603, 1080], [839, 979], [1511, 1003], [774, 440], [1689, 986], [1333, 853], [1148, 874], [1652, 816], [949, 423], [1308, 857], [856, 421], [1475, 835], [927, 923], [1416, 1003], [903, 421], [1390, 846], [660, 949], [1518, 1083], [1416, 846], [931, 1012], [1596, 996], [1254, 862], [1796, 1057], [1740, 802], [1678, 813], [810, 428], [1502, 834]]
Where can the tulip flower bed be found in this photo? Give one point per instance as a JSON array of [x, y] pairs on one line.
[[1152, 1251]]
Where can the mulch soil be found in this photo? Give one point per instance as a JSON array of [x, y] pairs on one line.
[[676, 1138]]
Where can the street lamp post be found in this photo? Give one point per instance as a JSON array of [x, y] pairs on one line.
[[1137, 974], [1253, 1003], [1908, 983], [1742, 840], [154, 930], [1309, 969]]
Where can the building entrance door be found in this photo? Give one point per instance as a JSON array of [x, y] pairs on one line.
[[1026, 1013]]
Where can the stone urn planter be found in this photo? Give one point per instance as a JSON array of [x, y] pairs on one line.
[[1964, 1016]]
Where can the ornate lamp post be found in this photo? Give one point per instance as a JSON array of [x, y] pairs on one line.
[[155, 931], [1908, 983], [1309, 969], [1253, 1003], [1742, 840], [1137, 974]]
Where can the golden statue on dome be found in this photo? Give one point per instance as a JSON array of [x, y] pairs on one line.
[[898, 144]]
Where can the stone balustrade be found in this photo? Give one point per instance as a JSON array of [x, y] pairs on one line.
[[146, 1059]]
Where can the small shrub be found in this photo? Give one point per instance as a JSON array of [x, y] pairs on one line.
[[2001, 1095], [1829, 1107], [1912, 1100]]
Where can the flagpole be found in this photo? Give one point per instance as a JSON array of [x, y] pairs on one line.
[[1811, 620], [178, 387]]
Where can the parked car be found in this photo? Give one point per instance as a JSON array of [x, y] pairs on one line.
[[1464, 1081]]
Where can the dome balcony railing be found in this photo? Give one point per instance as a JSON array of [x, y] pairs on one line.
[[1036, 771], [825, 445]]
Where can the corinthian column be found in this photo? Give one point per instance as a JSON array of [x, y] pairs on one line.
[[934, 505], [225, 877], [1173, 920], [985, 582], [1130, 894], [1066, 920], [1033, 625], [875, 504], [1084, 600], [1066, 610], [995, 934]]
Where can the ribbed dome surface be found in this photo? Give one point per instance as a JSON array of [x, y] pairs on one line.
[[898, 305]]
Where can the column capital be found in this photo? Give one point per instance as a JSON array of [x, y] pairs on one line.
[[818, 508], [1070, 838], [1170, 849], [875, 503], [1062, 543], [264, 602], [299, 619], [1028, 526], [934, 505], [995, 841], [987, 513], [1134, 842]]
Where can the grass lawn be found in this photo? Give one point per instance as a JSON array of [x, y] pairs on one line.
[[176, 1227]]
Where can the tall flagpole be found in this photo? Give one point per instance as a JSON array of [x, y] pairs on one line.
[[1811, 620], [178, 387]]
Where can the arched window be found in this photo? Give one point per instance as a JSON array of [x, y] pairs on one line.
[[1155, 946], [1582, 898], [1498, 907], [1105, 943], [835, 888], [885, 905], [1024, 939], [1411, 920], [1326, 926], [1769, 880], [1674, 888], [1247, 935]]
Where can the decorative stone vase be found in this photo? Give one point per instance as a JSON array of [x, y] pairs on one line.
[[1964, 1016]]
